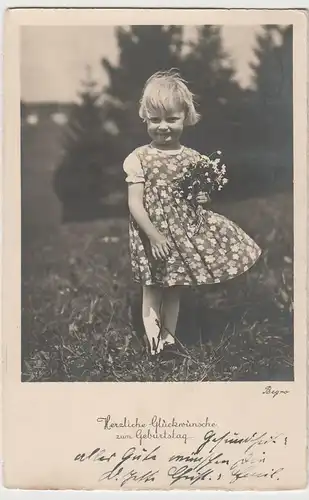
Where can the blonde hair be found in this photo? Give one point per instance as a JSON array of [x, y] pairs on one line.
[[165, 90]]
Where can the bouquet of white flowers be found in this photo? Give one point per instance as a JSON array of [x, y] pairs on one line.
[[206, 175]]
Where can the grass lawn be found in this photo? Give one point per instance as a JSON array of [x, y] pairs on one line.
[[81, 313]]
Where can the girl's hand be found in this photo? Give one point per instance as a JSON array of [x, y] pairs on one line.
[[202, 198], [160, 246]]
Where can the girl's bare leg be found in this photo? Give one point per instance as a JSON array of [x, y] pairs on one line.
[[170, 311], [151, 311]]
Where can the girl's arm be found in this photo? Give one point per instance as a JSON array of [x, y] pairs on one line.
[[159, 243]]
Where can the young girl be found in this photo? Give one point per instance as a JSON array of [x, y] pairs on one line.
[[169, 247]]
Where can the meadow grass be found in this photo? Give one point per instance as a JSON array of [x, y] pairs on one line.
[[81, 315]]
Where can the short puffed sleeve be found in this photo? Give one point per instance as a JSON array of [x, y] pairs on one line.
[[133, 168]]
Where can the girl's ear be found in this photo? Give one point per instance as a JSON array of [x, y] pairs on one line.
[[187, 121], [192, 116]]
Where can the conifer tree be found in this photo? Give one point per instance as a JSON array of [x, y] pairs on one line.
[[82, 178], [143, 50], [273, 110], [211, 75], [273, 74]]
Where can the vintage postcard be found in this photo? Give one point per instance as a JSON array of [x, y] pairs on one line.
[[154, 330]]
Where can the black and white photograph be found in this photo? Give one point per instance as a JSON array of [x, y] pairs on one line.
[[156, 203], [154, 229]]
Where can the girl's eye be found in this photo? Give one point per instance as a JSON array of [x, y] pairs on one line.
[[171, 119]]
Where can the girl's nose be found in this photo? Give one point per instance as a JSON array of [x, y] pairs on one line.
[[163, 126]]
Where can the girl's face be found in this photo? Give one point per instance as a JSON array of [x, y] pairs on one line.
[[165, 127]]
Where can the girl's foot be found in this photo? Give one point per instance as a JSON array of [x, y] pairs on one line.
[[156, 347], [168, 339], [171, 351]]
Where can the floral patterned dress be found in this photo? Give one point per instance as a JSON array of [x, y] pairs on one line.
[[206, 249]]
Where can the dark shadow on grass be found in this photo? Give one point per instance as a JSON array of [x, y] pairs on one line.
[[87, 211], [255, 336], [78, 210]]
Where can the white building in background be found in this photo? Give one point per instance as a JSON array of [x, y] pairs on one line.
[[45, 113], [59, 118], [32, 119]]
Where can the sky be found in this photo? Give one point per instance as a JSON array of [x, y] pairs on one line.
[[53, 59]]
